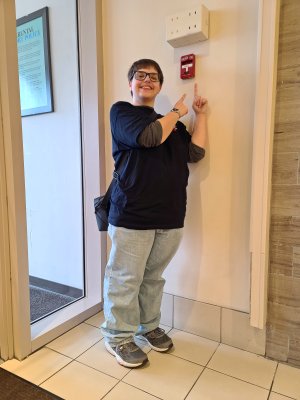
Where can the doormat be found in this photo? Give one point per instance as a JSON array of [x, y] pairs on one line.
[[43, 302], [12, 387]]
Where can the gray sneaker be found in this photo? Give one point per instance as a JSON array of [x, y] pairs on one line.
[[157, 340], [127, 354]]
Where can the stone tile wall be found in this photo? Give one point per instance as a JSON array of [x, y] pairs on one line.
[[283, 326]]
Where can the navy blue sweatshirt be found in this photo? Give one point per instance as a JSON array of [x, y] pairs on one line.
[[151, 190]]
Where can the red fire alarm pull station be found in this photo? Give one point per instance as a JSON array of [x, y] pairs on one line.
[[187, 66]]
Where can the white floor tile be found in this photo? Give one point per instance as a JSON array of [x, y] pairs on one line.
[[98, 357], [96, 320], [76, 341], [166, 377], [276, 396], [38, 367], [215, 386], [124, 391], [243, 365], [78, 382], [191, 347], [287, 381], [231, 374]]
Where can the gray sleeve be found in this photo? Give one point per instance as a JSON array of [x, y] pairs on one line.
[[196, 153], [151, 136]]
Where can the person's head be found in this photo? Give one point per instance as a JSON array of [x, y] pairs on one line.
[[145, 79], [144, 63]]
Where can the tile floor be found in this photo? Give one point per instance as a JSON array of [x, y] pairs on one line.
[[77, 366]]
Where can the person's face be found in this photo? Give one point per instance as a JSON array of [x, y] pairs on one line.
[[144, 91]]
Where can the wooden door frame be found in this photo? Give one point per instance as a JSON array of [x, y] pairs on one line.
[[14, 266], [267, 52], [18, 338]]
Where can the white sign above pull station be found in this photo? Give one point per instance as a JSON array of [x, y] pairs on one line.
[[187, 27]]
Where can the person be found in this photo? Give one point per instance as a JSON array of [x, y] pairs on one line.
[[147, 210]]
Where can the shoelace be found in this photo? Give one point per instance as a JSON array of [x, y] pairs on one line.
[[130, 346], [156, 333]]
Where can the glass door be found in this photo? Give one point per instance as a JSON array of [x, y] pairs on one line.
[[66, 253], [47, 40]]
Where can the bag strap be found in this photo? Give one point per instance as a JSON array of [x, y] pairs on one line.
[[122, 162], [106, 197], [115, 179]]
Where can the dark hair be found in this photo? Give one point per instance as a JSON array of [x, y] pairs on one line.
[[144, 63]]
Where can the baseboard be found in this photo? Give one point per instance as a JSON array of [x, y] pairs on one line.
[[213, 322]]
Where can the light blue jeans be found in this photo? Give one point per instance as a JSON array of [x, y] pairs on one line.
[[133, 282]]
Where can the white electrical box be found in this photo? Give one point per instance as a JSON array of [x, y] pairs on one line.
[[187, 27]]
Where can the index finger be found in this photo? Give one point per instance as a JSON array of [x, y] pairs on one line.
[[182, 97]]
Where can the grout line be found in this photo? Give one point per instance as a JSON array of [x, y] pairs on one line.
[[248, 351], [212, 355], [206, 303], [57, 352], [196, 334], [90, 367], [49, 377], [193, 362], [101, 372], [142, 390], [89, 324], [188, 361], [238, 379], [98, 341], [284, 395], [194, 383], [110, 390], [78, 354], [273, 381], [71, 360]]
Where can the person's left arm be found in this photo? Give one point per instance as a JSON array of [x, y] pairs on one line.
[[199, 133]]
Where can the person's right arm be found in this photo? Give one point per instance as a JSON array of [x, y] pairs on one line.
[[158, 131], [168, 122]]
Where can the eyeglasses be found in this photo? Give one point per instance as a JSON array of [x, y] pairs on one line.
[[141, 76]]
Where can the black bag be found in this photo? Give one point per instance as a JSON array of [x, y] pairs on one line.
[[102, 205]]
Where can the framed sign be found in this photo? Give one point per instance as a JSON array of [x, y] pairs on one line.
[[34, 63]]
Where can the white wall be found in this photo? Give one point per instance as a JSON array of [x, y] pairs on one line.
[[52, 153], [213, 263]]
